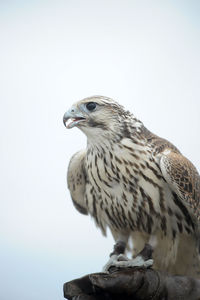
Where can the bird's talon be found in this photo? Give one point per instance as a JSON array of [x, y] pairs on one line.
[[122, 261], [122, 257]]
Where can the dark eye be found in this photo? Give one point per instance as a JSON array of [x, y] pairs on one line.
[[91, 105]]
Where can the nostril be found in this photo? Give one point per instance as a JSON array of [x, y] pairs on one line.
[[72, 110]]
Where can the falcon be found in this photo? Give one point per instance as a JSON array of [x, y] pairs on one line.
[[136, 184]]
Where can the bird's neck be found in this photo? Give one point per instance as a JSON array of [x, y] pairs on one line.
[[130, 128]]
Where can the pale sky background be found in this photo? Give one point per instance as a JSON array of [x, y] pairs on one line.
[[145, 54]]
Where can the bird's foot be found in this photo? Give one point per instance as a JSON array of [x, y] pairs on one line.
[[122, 261], [144, 259]]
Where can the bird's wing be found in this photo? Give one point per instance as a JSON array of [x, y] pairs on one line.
[[183, 178], [76, 179]]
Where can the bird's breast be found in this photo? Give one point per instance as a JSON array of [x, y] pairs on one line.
[[126, 190], [123, 184]]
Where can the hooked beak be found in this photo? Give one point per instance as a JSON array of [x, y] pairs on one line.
[[72, 118]]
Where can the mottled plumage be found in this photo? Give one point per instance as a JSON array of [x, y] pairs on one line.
[[136, 183]]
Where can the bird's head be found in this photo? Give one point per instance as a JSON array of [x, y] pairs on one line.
[[97, 116]]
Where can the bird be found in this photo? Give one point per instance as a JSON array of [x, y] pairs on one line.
[[138, 185]]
